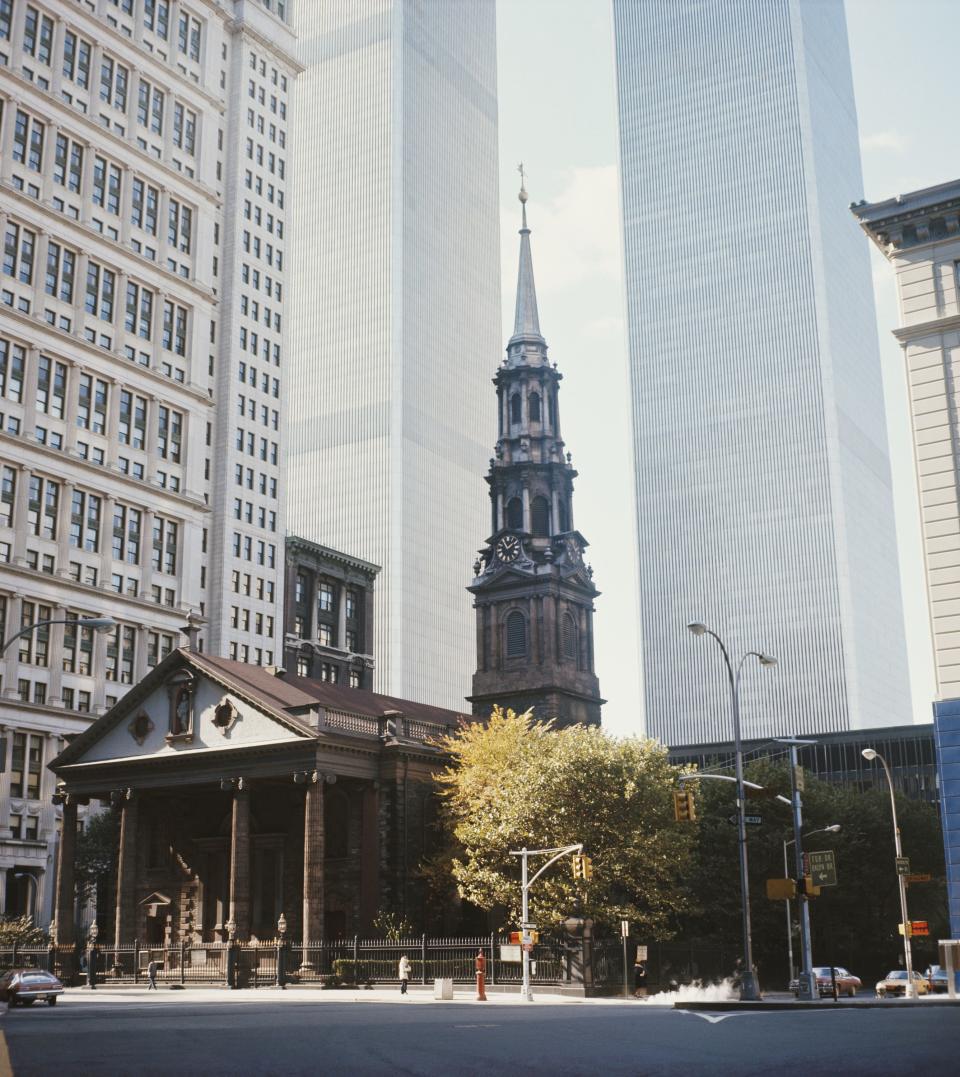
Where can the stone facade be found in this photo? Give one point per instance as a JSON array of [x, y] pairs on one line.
[[533, 592], [246, 794], [328, 614]]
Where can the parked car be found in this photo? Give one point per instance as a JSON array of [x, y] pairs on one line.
[[936, 977], [24, 987], [847, 983], [894, 984]]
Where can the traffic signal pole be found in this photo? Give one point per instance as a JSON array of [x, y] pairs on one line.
[[526, 883], [807, 979]]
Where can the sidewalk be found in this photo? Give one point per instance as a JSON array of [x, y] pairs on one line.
[[417, 995]]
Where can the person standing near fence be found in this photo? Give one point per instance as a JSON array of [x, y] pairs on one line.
[[639, 979], [404, 973], [152, 970]]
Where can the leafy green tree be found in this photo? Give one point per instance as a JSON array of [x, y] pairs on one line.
[[95, 866], [854, 923], [515, 782], [22, 931]]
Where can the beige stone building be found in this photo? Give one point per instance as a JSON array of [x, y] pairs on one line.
[[142, 212], [919, 233]]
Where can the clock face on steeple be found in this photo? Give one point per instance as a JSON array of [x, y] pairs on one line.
[[508, 548]]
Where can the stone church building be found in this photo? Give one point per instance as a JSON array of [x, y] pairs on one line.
[[532, 590], [247, 792]]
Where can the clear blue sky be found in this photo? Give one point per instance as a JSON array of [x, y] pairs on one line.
[[558, 115]]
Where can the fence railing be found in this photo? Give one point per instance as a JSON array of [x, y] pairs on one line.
[[359, 961]]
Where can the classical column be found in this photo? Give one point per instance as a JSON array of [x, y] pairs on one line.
[[313, 852], [65, 914], [342, 616], [369, 855], [240, 864], [126, 872]]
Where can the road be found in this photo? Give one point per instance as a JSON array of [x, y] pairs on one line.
[[214, 1033]]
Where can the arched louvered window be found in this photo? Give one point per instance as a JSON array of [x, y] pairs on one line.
[[550, 409], [516, 634], [534, 407], [516, 408], [563, 522], [515, 513], [568, 633], [540, 511]]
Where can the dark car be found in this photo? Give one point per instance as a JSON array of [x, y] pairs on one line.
[[24, 987], [847, 983], [936, 977]]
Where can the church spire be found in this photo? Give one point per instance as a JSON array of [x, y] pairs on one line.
[[526, 324]]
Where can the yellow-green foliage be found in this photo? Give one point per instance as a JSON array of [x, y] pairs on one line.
[[515, 782]]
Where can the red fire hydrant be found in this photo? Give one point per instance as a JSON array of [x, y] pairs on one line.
[[481, 966]]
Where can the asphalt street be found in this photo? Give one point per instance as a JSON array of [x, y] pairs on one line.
[[293, 1033]]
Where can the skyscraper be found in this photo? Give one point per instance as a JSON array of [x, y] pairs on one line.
[[396, 282], [142, 176], [763, 482]]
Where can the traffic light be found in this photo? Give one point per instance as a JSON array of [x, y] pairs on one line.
[[582, 867], [805, 887], [684, 810]]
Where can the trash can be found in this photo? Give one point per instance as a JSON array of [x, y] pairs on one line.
[[443, 989]]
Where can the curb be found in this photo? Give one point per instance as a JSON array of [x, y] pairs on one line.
[[821, 1006]]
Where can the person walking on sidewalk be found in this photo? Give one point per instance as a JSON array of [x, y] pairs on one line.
[[404, 973], [152, 970]]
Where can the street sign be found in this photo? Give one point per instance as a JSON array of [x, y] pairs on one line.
[[528, 946], [921, 878], [750, 820], [920, 927], [510, 953], [798, 778], [781, 889], [529, 927], [641, 953], [625, 928], [823, 868], [903, 865]]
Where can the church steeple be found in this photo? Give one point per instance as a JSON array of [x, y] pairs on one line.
[[533, 593]]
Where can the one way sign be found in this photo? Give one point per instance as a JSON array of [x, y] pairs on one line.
[[750, 820]]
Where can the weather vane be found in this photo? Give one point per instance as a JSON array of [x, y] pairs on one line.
[[523, 188]]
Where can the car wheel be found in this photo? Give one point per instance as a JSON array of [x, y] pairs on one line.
[[11, 1002], [52, 1000], [852, 993]]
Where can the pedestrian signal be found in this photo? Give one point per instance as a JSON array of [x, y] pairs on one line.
[[683, 806]]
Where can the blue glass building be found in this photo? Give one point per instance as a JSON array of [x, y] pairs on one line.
[[946, 732]]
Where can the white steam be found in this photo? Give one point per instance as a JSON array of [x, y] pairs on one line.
[[696, 992]]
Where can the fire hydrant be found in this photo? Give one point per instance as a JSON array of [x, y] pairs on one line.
[[481, 966]]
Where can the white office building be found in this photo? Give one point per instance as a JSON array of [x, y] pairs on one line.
[[143, 174], [396, 287], [762, 470]]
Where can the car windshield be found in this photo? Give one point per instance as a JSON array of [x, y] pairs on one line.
[[36, 978], [897, 974], [823, 971]]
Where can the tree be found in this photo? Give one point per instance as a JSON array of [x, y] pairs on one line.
[[95, 866], [853, 924], [22, 931], [515, 782]]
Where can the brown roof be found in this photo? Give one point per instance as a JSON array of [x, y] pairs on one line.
[[291, 691]]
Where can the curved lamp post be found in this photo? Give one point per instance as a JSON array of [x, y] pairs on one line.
[[832, 829], [749, 988], [909, 992], [97, 624]]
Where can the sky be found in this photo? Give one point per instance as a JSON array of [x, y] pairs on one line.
[[558, 115]]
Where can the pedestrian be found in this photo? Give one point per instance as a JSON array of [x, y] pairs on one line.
[[639, 979], [152, 969], [404, 973]]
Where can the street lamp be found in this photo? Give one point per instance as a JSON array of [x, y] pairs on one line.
[[909, 992], [97, 624], [36, 888], [834, 829], [749, 988]]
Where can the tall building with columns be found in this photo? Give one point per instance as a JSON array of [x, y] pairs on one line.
[[396, 281], [142, 207], [764, 501]]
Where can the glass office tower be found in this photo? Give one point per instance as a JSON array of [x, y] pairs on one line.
[[396, 333], [763, 480]]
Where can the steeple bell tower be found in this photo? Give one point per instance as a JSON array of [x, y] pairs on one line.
[[532, 590]]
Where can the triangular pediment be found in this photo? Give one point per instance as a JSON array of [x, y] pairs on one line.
[[184, 706]]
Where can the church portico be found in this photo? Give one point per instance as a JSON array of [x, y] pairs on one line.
[[260, 797]]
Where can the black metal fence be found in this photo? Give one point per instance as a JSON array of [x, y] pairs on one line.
[[358, 962]]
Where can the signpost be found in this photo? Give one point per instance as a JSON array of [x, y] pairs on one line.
[[903, 865], [625, 934], [823, 868]]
